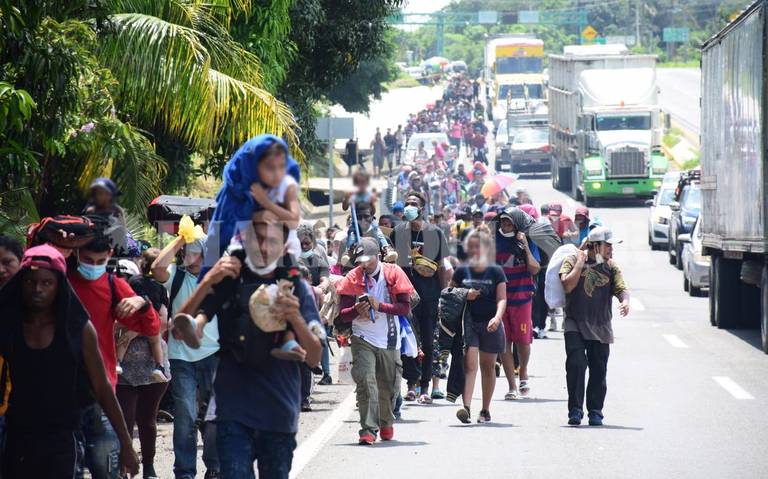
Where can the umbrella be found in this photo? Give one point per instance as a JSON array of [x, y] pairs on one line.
[[436, 61], [497, 183]]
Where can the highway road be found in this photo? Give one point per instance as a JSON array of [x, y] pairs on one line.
[[679, 96]]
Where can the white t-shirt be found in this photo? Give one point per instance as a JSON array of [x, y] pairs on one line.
[[385, 332], [209, 344]]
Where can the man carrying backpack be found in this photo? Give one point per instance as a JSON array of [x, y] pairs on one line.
[[372, 297], [192, 370], [107, 298]]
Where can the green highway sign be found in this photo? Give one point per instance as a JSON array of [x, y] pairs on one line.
[[675, 35]]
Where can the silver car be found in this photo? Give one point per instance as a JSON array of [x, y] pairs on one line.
[[659, 212], [695, 266]]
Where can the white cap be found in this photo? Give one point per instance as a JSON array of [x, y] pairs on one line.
[[602, 234]]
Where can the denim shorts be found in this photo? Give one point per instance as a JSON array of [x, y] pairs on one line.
[[476, 335]]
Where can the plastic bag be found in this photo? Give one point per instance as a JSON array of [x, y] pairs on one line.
[[554, 294], [408, 345], [345, 366]]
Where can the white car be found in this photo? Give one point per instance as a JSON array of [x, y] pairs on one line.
[[412, 148], [659, 212], [695, 266]]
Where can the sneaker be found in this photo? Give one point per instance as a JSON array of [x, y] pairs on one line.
[[595, 418], [463, 415], [325, 380], [575, 417], [317, 371], [158, 374], [387, 433], [119, 369], [366, 439], [484, 417], [306, 406], [553, 322], [543, 333], [185, 324], [438, 394], [424, 399]]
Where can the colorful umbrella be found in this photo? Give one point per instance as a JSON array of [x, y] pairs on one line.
[[497, 183], [436, 61]]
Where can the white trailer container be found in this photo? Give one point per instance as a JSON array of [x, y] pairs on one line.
[[734, 177]]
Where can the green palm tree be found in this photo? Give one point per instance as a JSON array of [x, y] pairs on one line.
[[181, 73]]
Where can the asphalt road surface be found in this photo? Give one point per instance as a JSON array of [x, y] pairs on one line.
[[685, 400], [680, 92]]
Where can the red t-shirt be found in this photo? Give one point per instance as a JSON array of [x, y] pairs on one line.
[[97, 299]]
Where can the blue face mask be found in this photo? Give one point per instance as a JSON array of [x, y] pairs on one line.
[[91, 272], [411, 212], [307, 254]]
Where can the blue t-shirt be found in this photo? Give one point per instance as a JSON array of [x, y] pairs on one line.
[[264, 399]]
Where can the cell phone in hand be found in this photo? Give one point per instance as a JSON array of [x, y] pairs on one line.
[[363, 298]]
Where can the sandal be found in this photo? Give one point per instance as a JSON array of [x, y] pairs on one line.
[[410, 395], [524, 387], [424, 399], [511, 396]]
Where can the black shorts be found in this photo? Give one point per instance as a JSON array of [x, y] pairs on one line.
[[476, 335]]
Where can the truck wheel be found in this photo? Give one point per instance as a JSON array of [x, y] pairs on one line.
[[564, 178], [589, 202], [679, 256], [764, 309], [727, 294], [686, 285], [712, 291]]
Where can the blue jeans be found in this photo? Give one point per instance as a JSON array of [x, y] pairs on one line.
[[240, 446], [325, 359], [100, 445], [189, 378]]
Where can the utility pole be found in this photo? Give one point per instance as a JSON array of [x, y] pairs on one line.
[[638, 42]]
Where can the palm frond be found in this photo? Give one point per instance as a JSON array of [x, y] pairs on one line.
[[244, 110]]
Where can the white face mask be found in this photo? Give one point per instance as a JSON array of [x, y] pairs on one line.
[[507, 235], [263, 271]]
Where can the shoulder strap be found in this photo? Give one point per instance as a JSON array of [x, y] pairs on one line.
[[112, 290], [178, 280]]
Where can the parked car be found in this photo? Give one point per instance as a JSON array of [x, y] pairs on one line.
[[684, 215], [695, 266], [659, 212], [524, 146]]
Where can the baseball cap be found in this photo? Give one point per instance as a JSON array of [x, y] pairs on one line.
[[582, 211], [398, 206], [128, 267], [602, 234], [44, 257], [105, 184], [366, 250]]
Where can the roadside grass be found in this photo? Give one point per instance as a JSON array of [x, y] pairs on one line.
[[678, 64]]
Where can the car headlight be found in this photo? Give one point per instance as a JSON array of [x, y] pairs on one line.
[[662, 220], [689, 221]]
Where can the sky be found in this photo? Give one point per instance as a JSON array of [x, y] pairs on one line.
[[426, 6]]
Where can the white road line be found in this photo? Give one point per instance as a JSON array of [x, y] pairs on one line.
[[675, 341], [312, 445], [636, 304], [734, 389]]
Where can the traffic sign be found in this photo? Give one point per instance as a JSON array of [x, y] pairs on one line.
[[628, 40], [487, 17], [675, 35], [589, 33], [528, 16]]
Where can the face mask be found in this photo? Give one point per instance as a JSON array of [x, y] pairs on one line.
[[91, 272], [599, 259], [411, 212], [510, 234], [261, 271], [307, 254]]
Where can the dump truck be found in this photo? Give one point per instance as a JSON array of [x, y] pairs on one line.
[[734, 174], [605, 123]]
